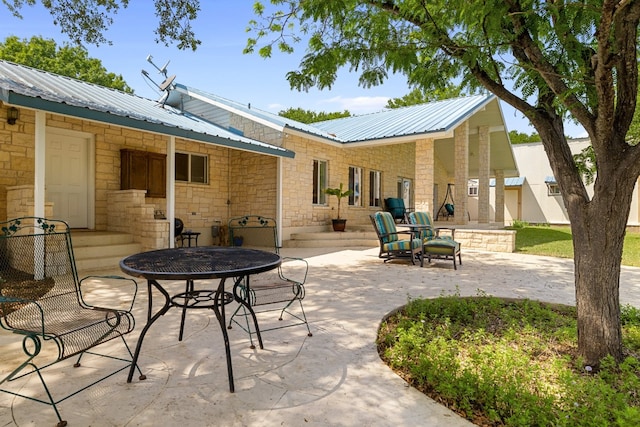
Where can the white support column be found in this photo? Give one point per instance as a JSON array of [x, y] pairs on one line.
[[461, 147], [39, 267], [484, 155], [279, 201], [171, 188], [499, 196], [40, 163]]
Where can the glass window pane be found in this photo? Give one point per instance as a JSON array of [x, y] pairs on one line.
[[355, 185], [182, 167], [198, 168]]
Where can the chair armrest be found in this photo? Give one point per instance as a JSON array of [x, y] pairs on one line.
[[447, 229], [297, 264], [5, 320], [112, 285]]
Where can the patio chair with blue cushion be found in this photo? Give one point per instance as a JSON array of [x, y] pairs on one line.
[[391, 245], [433, 244], [395, 206]]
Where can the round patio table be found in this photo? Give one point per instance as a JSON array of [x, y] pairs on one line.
[[197, 263]]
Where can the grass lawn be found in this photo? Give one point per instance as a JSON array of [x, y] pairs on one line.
[[556, 241]]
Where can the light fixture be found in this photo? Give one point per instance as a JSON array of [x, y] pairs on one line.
[[13, 114]]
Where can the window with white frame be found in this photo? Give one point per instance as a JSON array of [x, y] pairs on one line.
[[552, 186], [473, 191], [319, 182], [375, 188], [355, 185], [553, 189], [192, 168]]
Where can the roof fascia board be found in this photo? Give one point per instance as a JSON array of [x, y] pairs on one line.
[[104, 117], [230, 109], [319, 138], [472, 112]]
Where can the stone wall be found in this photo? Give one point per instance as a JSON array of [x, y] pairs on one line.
[[487, 240]]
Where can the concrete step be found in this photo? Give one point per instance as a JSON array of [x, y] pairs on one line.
[[100, 250]]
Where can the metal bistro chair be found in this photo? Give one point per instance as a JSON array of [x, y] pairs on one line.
[[42, 300], [277, 291]]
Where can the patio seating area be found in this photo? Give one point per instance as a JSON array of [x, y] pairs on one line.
[[334, 378]]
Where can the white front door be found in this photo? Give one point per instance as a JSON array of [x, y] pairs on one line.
[[67, 177]]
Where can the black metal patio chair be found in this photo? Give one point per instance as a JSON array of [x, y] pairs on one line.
[[42, 300], [280, 291]]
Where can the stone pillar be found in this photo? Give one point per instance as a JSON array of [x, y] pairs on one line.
[[484, 155], [499, 196], [423, 188], [461, 165]]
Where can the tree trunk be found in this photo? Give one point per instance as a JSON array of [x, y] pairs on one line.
[[598, 226], [598, 241]]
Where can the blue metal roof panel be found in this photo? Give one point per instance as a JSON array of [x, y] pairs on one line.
[[509, 182], [34, 88], [427, 118], [247, 109]]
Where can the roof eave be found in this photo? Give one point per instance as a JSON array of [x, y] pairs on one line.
[[125, 121]]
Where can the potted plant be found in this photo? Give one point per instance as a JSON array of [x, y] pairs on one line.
[[339, 224]]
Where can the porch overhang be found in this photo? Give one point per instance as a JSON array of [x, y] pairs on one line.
[[170, 122]]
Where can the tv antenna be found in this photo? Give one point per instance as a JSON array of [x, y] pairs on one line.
[[162, 70], [167, 83]]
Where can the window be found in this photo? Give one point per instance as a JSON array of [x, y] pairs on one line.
[[355, 185], [552, 186], [553, 189], [375, 190], [192, 168], [473, 191], [319, 182]]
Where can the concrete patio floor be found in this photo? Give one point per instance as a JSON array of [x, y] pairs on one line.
[[334, 378]]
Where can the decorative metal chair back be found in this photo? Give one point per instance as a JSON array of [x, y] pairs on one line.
[[273, 290]]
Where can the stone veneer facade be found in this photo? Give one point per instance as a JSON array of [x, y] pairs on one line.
[[240, 182]]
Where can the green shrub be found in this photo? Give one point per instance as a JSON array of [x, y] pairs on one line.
[[510, 362]]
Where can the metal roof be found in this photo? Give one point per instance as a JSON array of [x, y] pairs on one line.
[[247, 110], [439, 116], [509, 182], [31, 88]]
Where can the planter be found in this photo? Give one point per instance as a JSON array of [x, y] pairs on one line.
[[339, 224], [238, 240]]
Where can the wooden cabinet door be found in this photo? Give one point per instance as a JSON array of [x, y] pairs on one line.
[[157, 175], [141, 170]]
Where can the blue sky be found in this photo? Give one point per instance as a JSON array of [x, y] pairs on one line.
[[218, 66]]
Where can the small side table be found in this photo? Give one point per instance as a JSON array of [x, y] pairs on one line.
[[188, 236]]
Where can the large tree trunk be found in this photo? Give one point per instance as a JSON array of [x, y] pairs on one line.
[[598, 226], [598, 237]]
